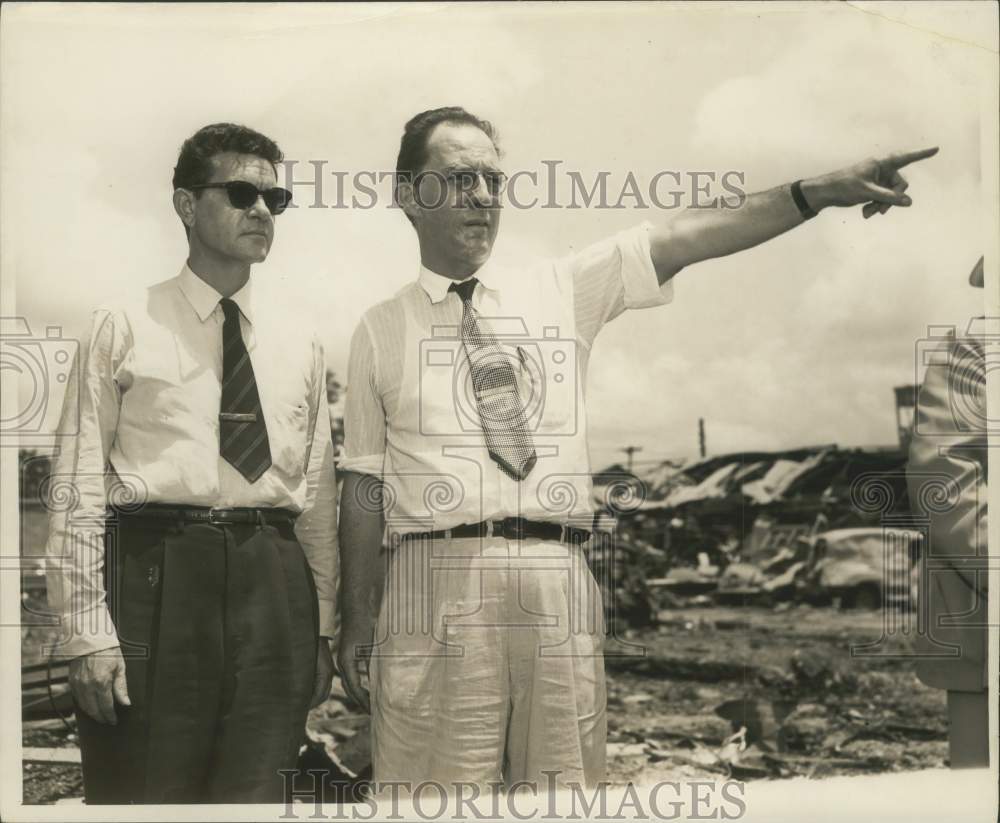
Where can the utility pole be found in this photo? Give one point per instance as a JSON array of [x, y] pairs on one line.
[[701, 435], [630, 450]]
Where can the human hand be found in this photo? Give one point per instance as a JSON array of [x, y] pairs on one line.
[[98, 680], [324, 673], [875, 182], [353, 660]]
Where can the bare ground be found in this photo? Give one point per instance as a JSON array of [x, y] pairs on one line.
[[808, 705], [811, 706]]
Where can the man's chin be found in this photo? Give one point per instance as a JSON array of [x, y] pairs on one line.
[[476, 257], [254, 255]]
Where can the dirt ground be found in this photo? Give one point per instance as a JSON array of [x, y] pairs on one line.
[[813, 699], [808, 706]]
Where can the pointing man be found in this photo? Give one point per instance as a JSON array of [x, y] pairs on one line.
[[465, 434]]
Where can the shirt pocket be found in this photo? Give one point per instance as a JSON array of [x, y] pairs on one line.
[[290, 437], [441, 395]]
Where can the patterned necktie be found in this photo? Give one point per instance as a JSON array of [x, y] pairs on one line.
[[495, 386], [242, 431]]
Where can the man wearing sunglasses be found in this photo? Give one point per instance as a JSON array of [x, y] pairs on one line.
[[465, 418], [195, 576]]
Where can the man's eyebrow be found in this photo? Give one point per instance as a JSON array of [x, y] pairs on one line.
[[470, 168]]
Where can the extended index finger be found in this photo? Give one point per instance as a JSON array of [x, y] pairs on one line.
[[907, 157]]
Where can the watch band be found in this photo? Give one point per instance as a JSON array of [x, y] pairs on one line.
[[804, 208]]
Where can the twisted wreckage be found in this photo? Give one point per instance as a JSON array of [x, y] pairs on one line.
[[823, 525]]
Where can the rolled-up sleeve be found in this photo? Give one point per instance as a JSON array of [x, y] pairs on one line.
[[75, 492], [316, 528], [611, 276], [364, 414]]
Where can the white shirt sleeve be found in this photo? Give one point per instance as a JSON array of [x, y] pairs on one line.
[[364, 414], [611, 276], [316, 527], [75, 493]]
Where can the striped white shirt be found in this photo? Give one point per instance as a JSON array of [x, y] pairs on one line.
[[410, 414]]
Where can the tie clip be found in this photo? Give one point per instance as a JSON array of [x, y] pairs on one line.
[[493, 391], [237, 417]]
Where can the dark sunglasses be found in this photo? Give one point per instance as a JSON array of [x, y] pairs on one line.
[[242, 195]]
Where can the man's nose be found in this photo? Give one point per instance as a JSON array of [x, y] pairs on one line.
[[259, 209], [480, 193]]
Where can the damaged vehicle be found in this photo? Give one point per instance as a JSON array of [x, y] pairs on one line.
[[860, 568]]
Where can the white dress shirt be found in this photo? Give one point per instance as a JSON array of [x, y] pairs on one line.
[[410, 414], [140, 423]]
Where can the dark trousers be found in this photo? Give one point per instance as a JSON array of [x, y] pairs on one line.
[[218, 626], [968, 730]]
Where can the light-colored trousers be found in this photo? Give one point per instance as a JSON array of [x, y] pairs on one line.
[[488, 665]]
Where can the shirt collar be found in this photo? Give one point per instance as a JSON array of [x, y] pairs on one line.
[[436, 285], [203, 298]]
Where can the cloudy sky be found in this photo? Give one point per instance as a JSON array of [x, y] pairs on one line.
[[795, 343]]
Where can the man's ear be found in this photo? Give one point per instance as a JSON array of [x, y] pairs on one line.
[[184, 205], [407, 200]]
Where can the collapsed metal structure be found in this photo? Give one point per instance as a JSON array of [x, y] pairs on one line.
[[696, 518]]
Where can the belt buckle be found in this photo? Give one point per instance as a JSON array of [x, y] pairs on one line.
[[211, 516]]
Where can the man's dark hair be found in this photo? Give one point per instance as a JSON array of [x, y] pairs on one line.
[[194, 164], [413, 146]]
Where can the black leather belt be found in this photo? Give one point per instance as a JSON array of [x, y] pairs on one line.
[[510, 528], [213, 516]]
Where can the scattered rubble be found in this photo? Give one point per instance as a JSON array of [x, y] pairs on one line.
[[695, 690], [786, 699]]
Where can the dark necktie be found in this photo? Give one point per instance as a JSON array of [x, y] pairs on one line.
[[495, 386], [242, 431]]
